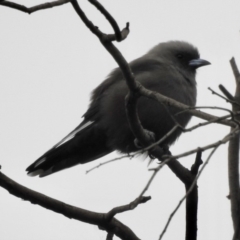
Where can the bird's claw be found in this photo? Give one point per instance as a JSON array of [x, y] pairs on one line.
[[150, 136], [165, 152]]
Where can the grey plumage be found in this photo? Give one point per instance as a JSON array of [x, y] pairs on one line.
[[168, 68]]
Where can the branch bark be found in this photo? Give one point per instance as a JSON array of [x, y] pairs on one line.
[[100, 219], [233, 160], [30, 10]]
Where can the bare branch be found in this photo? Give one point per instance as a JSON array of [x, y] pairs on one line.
[[214, 145], [217, 119], [223, 109], [181, 155], [119, 35], [109, 161], [187, 194], [152, 177], [214, 120], [110, 19], [192, 201], [35, 8], [104, 38], [235, 70], [99, 219], [229, 97], [132, 205], [226, 92], [130, 156], [233, 161]]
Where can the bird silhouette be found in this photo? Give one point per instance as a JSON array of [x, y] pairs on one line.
[[169, 68]]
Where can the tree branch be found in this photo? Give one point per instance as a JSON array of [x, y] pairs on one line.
[[132, 205], [110, 19], [233, 161], [100, 219], [192, 201], [228, 98], [30, 10], [192, 232]]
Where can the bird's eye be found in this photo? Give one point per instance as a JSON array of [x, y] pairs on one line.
[[180, 56]]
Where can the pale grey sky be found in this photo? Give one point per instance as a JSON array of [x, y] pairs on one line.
[[50, 63]]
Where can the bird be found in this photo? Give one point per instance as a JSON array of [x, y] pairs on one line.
[[169, 68]]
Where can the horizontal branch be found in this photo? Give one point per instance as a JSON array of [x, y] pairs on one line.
[[30, 10], [110, 225]]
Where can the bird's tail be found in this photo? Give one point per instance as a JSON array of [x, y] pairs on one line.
[[84, 144]]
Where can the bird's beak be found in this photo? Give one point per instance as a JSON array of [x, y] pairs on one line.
[[196, 63]]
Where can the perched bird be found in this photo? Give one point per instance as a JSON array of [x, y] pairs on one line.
[[169, 68]]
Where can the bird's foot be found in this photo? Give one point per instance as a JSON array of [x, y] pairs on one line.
[[150, 136], [166, 150], [163, 152]]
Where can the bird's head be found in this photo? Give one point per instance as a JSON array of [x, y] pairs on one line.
[[180, 54]]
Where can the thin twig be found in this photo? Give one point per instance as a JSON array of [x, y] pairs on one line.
[[223, 109], [181, 155], [213, 145], [217, 119], [107, 162], [153, 176], [229, 97], [132, 205], [171, 102], [130, 156]]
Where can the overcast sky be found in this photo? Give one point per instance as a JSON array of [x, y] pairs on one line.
[[49, 64]]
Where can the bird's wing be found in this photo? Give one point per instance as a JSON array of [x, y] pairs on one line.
[[42, 163], [87, 141]]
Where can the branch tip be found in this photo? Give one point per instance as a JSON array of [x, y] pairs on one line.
[[226, 92]]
